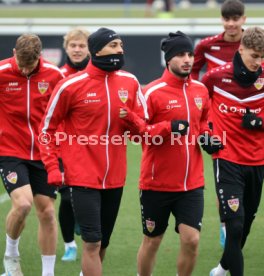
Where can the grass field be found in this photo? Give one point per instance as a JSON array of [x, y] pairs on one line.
[[87, 11], [121, 255]]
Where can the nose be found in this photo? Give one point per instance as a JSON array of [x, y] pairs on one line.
[[77, 48], [259, 61], [120, 49]]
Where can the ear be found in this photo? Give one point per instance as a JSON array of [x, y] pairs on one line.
[[14, 51], [240, 49]]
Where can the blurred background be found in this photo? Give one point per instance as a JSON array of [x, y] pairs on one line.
[[142, 24]]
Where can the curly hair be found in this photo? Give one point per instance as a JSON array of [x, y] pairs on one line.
[[253, 38]]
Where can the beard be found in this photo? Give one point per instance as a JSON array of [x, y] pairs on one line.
[[180, 74]]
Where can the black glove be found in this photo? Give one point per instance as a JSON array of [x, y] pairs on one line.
[[179, 126], [210, 144], [251, 121]]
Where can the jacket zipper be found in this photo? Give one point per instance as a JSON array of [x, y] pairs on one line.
[[107, 131], [152, 171], [28, 120], [217, 170], [186, 138]]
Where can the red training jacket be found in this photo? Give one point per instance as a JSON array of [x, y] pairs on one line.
[[93, 150], [229, 103], [174, 165], [23, 101]]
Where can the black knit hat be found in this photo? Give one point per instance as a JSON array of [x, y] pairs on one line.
[[176, 43], [100, 38]]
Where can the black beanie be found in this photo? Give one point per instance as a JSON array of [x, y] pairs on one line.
[[100, 38], [176, 43]]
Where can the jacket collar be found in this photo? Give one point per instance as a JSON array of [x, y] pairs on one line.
[[96, 72]]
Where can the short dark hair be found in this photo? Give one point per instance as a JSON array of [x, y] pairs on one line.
[[28, 48], [232, 8]]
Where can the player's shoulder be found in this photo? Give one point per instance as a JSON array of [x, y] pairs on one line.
[[211, 39], [198, 86], [5, 64], [154, 87], [125, 74], [220, 70], [74, 79]]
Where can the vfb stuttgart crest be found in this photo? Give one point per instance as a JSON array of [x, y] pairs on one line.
[[123, 95], [12, 177], [259, 83], [43, 87], [150, 224], [233, 204], [198, 102]]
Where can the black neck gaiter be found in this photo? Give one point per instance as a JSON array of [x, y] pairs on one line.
[[79, 65], [242, 75], [109, 63]]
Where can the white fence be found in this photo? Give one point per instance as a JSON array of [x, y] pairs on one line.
[[59, 26]]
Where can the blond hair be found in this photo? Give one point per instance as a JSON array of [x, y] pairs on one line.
[[75, 33]]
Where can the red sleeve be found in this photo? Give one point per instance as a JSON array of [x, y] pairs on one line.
[[204, 122], [162, 128], [206, 80], [199, 60], [56, 110]]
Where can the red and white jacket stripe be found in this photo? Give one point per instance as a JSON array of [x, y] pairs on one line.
[[213, 51], [23, 101], [229, 103], [176, 164], [94, 147]]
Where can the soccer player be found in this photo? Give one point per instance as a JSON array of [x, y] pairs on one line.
[[171, 178], [26, 82], [75, 44], [94, 154], [216, 50], [237, 96], [76, 47]]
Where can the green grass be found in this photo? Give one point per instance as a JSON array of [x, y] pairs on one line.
[[88, 12], [121, 254]]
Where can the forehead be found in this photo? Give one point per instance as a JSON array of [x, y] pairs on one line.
[[78, 40], [180, 54], [114, 42], [251, 50], [233, 17]]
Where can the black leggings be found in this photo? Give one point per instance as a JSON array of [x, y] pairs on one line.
[[66, 215], [232, 258]]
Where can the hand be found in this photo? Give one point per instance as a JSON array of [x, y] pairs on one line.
[[55, 177], [126, 114], [251, 121], [123, 112], [210, 144], [179, 126]]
